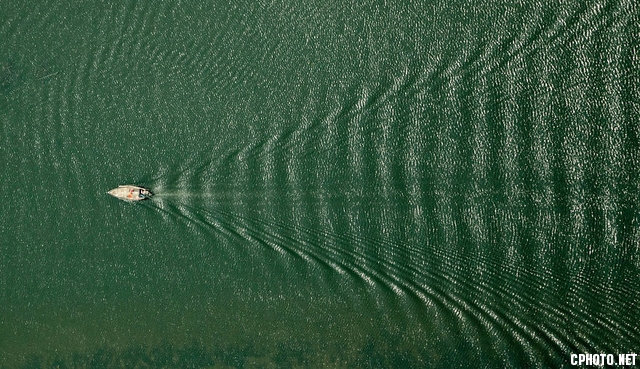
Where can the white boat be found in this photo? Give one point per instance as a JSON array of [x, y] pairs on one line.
[[130, 193]]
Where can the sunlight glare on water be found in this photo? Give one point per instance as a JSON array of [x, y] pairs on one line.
[[345, 184]]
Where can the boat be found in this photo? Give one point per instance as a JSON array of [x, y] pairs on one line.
[[130, 193]]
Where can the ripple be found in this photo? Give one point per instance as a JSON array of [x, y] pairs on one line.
[[473, 192]]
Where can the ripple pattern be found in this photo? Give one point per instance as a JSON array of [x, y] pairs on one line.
[[423, 185]]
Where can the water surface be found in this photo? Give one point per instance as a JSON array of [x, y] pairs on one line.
[[345, 184]]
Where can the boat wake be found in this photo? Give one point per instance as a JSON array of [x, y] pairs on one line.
[[426, 283], [184, 194]]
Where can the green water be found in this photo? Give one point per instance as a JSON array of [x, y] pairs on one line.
[[348, 184]]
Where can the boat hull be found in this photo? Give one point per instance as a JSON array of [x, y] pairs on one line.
[[130, 193]]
